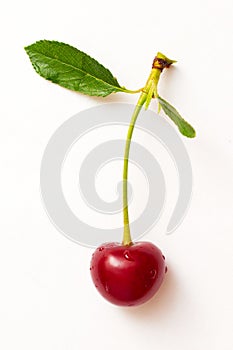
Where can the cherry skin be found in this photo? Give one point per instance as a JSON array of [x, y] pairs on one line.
[[128, 275]]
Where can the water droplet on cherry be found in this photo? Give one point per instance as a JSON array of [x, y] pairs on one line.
[[128, 256], [107, 288], [153, 273]]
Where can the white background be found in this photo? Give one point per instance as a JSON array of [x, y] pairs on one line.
[[47, 300]]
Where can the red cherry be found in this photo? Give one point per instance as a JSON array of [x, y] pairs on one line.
[[128, 275]]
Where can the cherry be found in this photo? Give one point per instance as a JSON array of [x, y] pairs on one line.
[[128, 275]]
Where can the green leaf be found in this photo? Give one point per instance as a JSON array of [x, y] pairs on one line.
[[185, 128], [71, 68]]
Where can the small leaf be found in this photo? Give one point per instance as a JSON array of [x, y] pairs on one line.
[[185, 128], [71, 68]]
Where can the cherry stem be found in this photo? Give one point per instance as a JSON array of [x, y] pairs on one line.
[[127, 237], [148, 92]]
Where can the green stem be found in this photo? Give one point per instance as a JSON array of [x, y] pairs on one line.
[[148, 92], [127, 237], [132, 91]]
